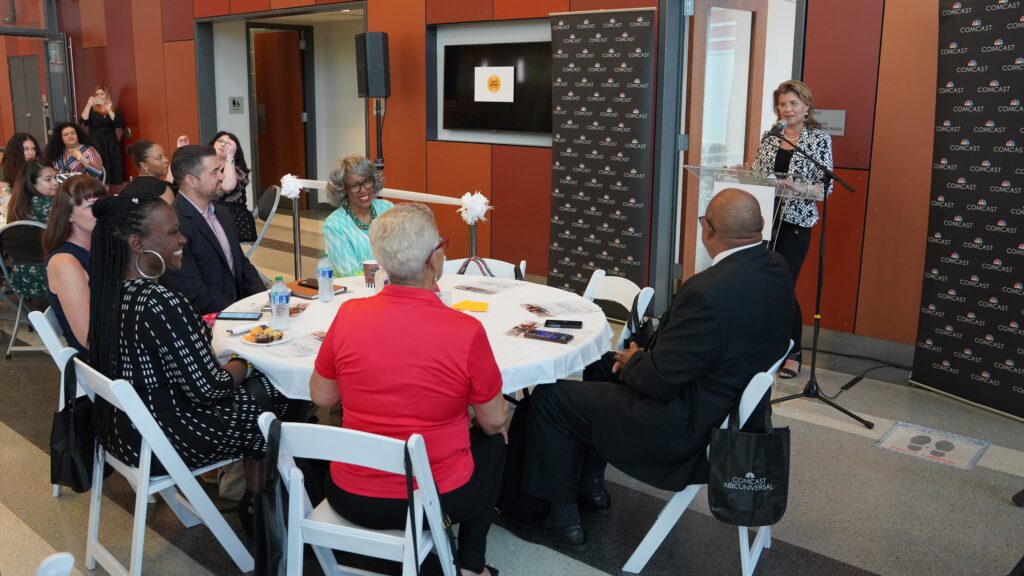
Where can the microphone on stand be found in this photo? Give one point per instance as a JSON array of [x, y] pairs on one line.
[[777, 128]]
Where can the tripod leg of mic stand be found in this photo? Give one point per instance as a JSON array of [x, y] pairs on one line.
[[811, 390], [867, 424]]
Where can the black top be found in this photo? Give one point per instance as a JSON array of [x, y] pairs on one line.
[[782, 160], [103, 133], [82, 255]]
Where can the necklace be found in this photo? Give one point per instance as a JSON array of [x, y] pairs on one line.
[[357, 221]]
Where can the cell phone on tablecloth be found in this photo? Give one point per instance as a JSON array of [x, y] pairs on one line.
[[554, 323], [548, 336], [239, 316]]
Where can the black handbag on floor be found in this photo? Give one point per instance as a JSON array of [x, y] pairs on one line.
[[72, 439], [269, 511], [748, 478]]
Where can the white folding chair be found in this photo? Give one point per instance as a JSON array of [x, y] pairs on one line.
[[759, 385], [266, 208], [57, 564], [49, 331], [633, 300], [179, 487], [499, 268], [325, 530]]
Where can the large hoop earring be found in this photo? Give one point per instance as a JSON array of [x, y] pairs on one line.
[[163, 265]]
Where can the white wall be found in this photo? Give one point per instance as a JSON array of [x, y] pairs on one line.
[[230, 68], [340, 112], [778, 57]]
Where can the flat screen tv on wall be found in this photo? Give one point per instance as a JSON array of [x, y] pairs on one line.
[[498, 87]]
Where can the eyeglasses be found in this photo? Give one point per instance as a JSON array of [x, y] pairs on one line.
[[442, 245], [356, 186], [704, 219]]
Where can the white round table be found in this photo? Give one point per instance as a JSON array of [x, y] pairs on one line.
[[522, 362]]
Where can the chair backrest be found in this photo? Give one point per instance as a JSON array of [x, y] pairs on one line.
[[319, 442], [267, 205], [21, 242], [122, 396], [49, 331], [58, 564], [759, 385], [637, 312], [499, 268]]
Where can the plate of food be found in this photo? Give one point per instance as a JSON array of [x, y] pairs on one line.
[[265, 336]]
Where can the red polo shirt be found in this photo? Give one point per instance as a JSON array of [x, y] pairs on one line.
[[405, 363]]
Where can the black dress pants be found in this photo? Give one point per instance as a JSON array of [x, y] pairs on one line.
[[470, 505], [561, 462], [792, 243]]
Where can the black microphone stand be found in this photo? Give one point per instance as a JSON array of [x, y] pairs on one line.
[[811, 390], [378, 112]]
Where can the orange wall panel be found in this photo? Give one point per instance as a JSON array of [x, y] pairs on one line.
[[210, 8], [149, 73], [405, 128], [841, 67], [457, 168], [521, 180], [7, 110], [446, 11], [180, 86], [512, 9], [176, 18], [244, 6], [93, 16], [278, 4], [843, 237], [585, 5], [897, 210]]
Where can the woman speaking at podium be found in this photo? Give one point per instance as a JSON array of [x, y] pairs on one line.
[[794, 218]]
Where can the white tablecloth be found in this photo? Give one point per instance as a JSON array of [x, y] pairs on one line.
[[522, 362]]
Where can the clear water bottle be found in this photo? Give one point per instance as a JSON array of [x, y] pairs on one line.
[[325, 279], [280, 298]]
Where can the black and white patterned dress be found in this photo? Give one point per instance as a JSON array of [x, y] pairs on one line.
[[165, 352], [818, 144]]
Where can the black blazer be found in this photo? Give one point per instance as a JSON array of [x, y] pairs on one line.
[[205, 278], [724, 325]]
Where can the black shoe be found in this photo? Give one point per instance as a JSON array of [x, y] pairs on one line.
[[571, 538], [597, 503]]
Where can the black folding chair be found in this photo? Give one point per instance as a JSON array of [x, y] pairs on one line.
[[21, 252]]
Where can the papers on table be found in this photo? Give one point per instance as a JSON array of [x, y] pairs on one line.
[[567, 308], [489, 286]]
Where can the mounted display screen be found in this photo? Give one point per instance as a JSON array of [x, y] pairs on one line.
[[504, 87]]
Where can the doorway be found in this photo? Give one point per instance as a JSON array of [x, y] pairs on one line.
[[283, 105], [27, 96]]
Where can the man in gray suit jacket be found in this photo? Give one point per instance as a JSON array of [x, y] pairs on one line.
[[649, 412], [214, 271]]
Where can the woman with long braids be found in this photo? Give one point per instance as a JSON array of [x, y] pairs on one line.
[[152, 337]]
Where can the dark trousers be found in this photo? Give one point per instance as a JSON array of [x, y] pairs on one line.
[[792, 243], [470, 505], [561, 462]]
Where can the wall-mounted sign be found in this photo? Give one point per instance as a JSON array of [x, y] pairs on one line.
[[832, 121], [236, 105]]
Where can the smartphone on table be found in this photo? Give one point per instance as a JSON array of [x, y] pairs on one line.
[[239, 316], [548, 336], [555, 323]]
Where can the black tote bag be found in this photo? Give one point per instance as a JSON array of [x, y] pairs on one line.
[[748, 478], [270, 509], [72, 439]]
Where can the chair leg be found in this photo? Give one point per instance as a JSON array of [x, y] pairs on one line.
[[751, 553], [17, 323], [667, 518], [56, 490], [141, 508], [181, 507], [92, 541], [213, 519]]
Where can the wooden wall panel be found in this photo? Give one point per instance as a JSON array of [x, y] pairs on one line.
[[584, 5], [521, 181], [180, 86], [176, 18], [457, 168], [844, 235], [149, 74], [405, 129], [278, 4], [446, 11], [94, 23], [897, 210], [244, 6], [512, 9], [119, 65], [841, 67], [210, 8]]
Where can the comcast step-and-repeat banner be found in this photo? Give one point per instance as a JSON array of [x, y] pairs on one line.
[[971, 330], [602, 126]]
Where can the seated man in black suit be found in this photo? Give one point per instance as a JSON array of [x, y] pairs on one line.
[[214, 272], [650, 412]]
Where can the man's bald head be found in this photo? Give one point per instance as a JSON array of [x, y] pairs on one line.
[[732, 219]]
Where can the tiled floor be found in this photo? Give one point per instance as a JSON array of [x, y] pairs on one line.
[[853, 508]]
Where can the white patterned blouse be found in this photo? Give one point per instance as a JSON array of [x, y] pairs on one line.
[[819, 145]]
